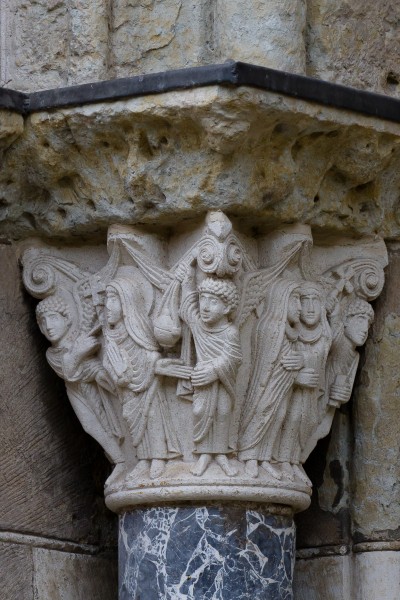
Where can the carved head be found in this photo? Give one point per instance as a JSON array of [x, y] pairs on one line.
[[54, 318], [358, 317], [294, 307], [218, 298], [311, 304], [113, 312]]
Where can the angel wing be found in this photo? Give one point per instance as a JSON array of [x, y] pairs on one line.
[[255, 284]]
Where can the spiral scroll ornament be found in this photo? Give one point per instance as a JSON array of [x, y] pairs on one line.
[[39, 275], [368, 280], [209, 255]]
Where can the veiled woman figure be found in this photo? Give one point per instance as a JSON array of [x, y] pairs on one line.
[[313, 344], [131, 352], [271, 386]]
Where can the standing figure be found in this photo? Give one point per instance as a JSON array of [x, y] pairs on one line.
[[131, 352], [313, 342], [275, 364], [343, 358], [350, 330], [207, 312], [88, 386]]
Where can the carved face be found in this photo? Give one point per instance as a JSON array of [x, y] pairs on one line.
[[212, 308], [54, 326], [294, 308], [113, 307], [356, 329], [310, 307]]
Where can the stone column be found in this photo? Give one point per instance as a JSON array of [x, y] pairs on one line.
[[207, 364], [231, 551]]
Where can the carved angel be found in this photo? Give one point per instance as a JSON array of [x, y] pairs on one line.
[[90, 390]]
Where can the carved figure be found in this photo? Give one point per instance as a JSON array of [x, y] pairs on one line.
[[313, 342], [343, 358], [89, 389], [151, 344], [219, 356], [131, 352], [271, 386], [350, 330]]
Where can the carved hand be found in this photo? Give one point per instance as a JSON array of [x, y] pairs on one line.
[[307, 378], [340, 393], [180, 272], [103, 379], [204, 374], [86, 344], [293, 361]]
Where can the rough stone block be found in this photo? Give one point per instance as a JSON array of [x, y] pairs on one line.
[[324, 578], [376, 466], [67, 576], [16, 572]]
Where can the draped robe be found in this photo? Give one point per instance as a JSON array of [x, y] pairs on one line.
[[213, 403], [271, 385], [131, 352]]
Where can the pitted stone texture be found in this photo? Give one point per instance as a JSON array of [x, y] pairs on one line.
[[11, 127], [355, 43], [376, 465], [229, 553], [266, 158]]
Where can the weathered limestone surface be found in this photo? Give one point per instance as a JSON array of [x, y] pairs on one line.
[[53, 43], [323, 578], [68, 576], [16, 567], [376, 464], [270, 33], [363, 576], [355, 43], [29, 573], [266, 158], [376, 575]]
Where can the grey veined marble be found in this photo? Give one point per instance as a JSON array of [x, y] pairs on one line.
[[206, 553]]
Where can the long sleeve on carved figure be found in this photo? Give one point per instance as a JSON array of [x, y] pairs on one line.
[[271, 384], [213, 403], [131, 352]]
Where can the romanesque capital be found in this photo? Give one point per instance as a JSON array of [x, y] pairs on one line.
[[208, 362]]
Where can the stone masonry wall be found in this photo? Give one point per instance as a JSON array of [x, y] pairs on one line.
[[53, 43]]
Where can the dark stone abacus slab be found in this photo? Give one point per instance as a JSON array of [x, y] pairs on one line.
[[232, 552]]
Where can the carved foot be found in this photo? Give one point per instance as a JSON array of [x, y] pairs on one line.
[[140, 469], [271, 469], [301, 474], [157, 468], [201, 465], [116, 477], [251, 468], [223, 462], [287, 471]]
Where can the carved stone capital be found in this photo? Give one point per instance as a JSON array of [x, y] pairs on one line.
[[207, 362]]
